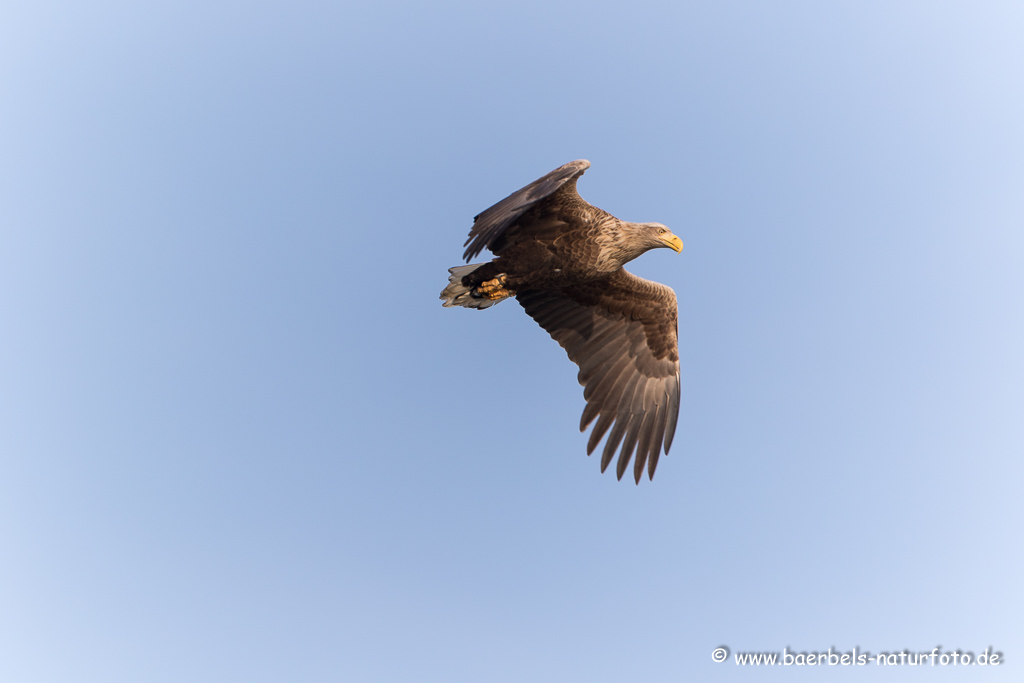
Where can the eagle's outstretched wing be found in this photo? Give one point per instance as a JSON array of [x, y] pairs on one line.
[[492, 223], [622, 333]]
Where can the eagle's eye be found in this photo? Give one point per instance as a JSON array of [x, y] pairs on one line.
[[662, 231]]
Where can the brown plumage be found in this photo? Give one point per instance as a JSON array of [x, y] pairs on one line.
[[562, 259]]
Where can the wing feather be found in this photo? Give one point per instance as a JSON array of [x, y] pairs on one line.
[[607, 389], [612, 443], [628, 444], [622, 333], [659, 428], [600, 429], [643, 447], [673, 415], [491, 224]]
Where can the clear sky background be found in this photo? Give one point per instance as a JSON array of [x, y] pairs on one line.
[[241, 440]]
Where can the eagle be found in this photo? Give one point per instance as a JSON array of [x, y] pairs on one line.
[[561, 258]]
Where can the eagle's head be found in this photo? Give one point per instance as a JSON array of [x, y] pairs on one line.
[[656, 235], [626, 241]]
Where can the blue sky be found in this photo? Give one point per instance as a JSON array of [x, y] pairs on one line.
[[240, 439]]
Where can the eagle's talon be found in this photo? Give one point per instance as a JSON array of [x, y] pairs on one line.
[[493, 289], [491, 285]]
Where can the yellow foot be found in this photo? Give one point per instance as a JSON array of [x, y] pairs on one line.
[[494, 289]]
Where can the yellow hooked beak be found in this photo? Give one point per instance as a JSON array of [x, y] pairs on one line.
[[672, 241]]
